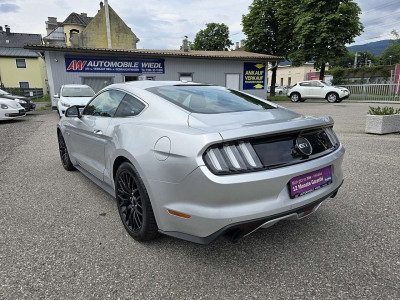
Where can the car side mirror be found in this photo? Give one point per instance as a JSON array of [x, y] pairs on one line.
[[73, 111], [56, 96]]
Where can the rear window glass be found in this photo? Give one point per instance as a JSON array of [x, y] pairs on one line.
[[209, 99]]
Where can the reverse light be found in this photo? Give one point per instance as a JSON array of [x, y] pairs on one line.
[[238, 157]]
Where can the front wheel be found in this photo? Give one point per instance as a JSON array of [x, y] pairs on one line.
[[302, 99], [134, 205], [295, 97], [332, 97]]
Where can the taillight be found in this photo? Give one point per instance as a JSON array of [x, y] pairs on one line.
[[232, 158]]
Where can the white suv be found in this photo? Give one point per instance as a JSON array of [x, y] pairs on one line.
[[317, 89]]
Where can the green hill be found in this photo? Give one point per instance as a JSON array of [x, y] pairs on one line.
[[376, 48]]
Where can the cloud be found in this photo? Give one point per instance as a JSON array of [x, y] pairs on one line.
[[8, 8], [379, 19]]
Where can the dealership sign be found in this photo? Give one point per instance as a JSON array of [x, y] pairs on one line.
[[253, 76], [114, 65]]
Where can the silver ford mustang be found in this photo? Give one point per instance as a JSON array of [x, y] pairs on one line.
[[198, 161]]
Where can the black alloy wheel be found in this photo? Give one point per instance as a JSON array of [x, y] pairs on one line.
[[66, 162], [134, 204]]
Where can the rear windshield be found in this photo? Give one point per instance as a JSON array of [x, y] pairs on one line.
[[77, 92], [209, 99]]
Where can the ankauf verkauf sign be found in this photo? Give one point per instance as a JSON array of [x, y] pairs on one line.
[[253, 76], [114, 65]]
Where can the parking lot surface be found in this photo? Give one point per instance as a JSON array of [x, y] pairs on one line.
[[61, 236]]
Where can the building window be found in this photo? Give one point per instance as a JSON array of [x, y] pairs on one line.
[[289, 81], [281, 81], [186, 77], [24, 85], [20, 63]]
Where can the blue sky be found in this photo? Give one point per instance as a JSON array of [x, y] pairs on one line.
[[162, 24]]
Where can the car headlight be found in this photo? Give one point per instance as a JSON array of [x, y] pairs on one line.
[[20, 101], [63, 103], [230, 158], [4, 106], [332, 136]]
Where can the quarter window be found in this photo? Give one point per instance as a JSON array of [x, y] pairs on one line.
[[129, 107], [105, 104], [21, 63]]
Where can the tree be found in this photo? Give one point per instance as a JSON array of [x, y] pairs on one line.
[[268, 29], [391, 55], [214, 38], [322, 30]]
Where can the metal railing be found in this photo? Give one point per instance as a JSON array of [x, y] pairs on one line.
[[374, 92]]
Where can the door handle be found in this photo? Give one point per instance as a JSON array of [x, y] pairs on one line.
[[98, 131]]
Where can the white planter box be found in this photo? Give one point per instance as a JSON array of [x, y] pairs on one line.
[[382, 124]]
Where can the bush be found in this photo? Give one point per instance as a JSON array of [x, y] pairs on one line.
[[45, 98], [386, 110]]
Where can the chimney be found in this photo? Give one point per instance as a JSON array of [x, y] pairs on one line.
[[237, 46], [185, 45], [84, 15], [8, 30], [101, 4], [1, 28]]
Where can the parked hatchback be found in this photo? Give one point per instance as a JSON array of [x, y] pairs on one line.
[[197, 161], [317, 89], [73, 94]]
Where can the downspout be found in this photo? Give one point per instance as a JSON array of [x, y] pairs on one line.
[[108, 24]]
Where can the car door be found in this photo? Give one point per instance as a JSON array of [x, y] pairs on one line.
[[128, 112], [305, 89], [316, 89], [89, 134]]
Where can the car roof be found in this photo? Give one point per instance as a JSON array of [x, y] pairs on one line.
[[76, 86], [145, 84]]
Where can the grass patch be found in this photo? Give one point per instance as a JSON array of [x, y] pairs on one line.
[[44, 107], [45, 98], [278, 98]]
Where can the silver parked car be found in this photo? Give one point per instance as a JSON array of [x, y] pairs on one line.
[[197, 161]]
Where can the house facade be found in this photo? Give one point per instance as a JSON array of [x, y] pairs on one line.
[[105, 30], [21, 68]]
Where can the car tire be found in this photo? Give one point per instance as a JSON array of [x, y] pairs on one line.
[[134, 205], [280, 93], [302, 99], [339, 100], [64, 155], [295, 97], [332, 97]]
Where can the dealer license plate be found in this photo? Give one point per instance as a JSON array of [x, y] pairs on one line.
[[310, 182]]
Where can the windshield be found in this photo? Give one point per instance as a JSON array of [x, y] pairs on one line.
[[3, 92], [209, 99], [326, 83], [77, 92]]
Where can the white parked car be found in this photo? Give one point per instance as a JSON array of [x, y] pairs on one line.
[[279, 90], [317, 89], [73, 94], [9, 109]]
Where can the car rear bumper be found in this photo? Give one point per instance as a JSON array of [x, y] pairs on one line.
[[221, 204], [237, 230]]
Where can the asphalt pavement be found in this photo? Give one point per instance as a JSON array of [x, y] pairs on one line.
[[61, 236]]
